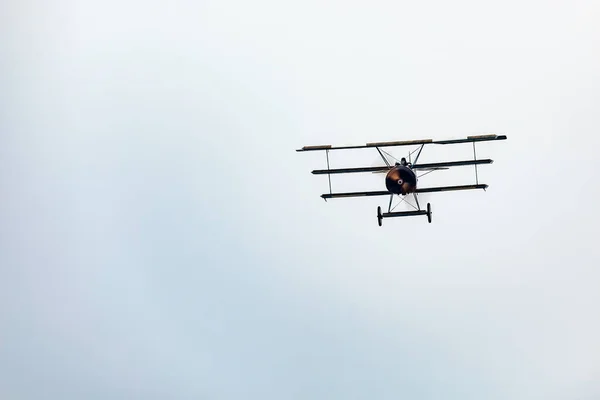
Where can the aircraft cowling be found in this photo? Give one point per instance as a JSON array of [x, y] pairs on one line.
[[401, 180]]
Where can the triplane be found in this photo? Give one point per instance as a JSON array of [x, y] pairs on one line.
[[401, 178]]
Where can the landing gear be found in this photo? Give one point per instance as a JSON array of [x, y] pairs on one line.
[[429, 212], [381, 216]]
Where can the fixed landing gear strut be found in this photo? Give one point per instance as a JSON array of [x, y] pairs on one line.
[[381, 216]]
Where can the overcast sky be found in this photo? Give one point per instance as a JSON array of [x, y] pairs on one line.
[[160, 238]]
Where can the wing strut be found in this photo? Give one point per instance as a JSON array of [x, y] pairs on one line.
[[475, 159], [418, 154], [329, 175], [385, 160]]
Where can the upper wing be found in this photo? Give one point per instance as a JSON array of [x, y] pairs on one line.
[[469, 139]]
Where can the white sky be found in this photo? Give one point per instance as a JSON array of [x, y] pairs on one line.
[[161, 238]]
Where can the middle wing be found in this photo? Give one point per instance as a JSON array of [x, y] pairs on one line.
[[416, 166]]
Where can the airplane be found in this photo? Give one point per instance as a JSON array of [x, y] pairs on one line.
[[400, 178]]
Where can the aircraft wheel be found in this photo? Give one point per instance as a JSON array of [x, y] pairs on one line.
[[379, 217], [429, 212]]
